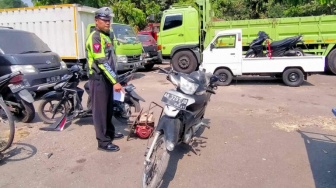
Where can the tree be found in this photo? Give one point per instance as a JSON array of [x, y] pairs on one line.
[[12, 4]]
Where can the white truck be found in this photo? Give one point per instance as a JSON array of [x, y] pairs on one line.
[[227, 61], [62, 27]]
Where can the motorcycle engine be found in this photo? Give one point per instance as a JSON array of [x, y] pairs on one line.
[[145, 126]]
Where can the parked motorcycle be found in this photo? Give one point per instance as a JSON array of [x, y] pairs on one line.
[[18, 99], [285, 47], [68, 98], [183, 114]]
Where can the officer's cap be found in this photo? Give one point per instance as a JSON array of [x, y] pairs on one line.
[[103, 13]]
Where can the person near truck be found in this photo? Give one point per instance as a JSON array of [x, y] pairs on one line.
[[102, 80]]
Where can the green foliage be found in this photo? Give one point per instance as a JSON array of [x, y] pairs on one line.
[[134, 12], [12, 4]]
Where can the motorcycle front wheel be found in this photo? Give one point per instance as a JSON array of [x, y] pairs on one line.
[[155, 169], [7, 127], [45, 110]]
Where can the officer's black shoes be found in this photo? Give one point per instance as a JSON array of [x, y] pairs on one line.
[[110, 148], [118, 136]]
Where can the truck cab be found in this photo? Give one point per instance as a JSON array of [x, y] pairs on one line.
[[178, 38], [127, 46]]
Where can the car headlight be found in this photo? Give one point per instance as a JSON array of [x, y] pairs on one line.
[[122, 58], [188, 87], [23, 68], [63, 65]]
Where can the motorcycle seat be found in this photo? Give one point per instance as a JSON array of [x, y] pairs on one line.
[[284, 42]]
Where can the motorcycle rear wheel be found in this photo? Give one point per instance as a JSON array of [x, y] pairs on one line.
[[154, 171], [28, 112], [63, 108], [7, 142]]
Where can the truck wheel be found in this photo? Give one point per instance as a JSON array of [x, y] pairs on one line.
[[184, 61], [332, 61], [224, 76], [293, 77]]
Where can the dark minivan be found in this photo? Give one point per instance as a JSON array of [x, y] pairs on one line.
[[26, 52]]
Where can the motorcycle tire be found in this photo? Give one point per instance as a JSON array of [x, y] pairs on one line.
[[28, 112], [250, 54], [5, 144], [44, 117], [162, 167]]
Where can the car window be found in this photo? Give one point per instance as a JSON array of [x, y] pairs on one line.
[[145, 38], [124, 33], [21, 42], [172, 21], [226, 41]]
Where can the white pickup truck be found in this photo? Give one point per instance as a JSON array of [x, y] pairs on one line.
[[225, 59]]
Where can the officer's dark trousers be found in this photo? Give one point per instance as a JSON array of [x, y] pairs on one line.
[[100, 92]]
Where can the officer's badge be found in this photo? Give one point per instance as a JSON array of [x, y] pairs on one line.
[[96, 47]]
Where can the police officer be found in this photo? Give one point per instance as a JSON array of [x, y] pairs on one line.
[[102, 80]]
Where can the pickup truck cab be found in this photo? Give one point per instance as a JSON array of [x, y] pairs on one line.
[[224, 58]]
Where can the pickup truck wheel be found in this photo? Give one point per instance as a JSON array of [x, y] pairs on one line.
[[293, 77], [184, 61], [224, 77], [332, 61]]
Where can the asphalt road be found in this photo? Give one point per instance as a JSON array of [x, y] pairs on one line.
[[263, 134]]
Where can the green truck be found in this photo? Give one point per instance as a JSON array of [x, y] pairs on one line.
[[185, 32], [128, 48]]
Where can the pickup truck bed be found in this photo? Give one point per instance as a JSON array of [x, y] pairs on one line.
[[307, 63]]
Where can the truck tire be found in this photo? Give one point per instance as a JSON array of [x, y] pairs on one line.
[[224, 76], [184, 61], [332, 61], [293, 77]]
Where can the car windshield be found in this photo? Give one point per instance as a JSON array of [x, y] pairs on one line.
[[12, 42], [124, 33], [145, 38]]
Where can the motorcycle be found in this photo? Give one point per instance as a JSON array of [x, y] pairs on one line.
[[69, 97], [285, 47], [183, 114], [18, 99]]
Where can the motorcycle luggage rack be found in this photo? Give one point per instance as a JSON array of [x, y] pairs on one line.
[[135, 119]]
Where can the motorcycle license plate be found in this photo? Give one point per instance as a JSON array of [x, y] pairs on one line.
[[16, 87], [175, 101]]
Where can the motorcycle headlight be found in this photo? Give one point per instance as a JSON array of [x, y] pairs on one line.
[[63, 65], [122, 58], [23, 68], [188, 87]]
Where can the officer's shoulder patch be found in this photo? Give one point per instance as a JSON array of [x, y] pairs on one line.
[[96, 47]]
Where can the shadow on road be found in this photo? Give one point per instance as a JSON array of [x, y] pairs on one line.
[[179, 153], [321, 150], [262, 81], [18, 152]]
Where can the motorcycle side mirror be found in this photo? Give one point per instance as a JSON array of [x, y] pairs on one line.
[[212, 46], [112, 36], [213, 79]]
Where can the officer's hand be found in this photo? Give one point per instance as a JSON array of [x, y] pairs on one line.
[[117, 87]]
